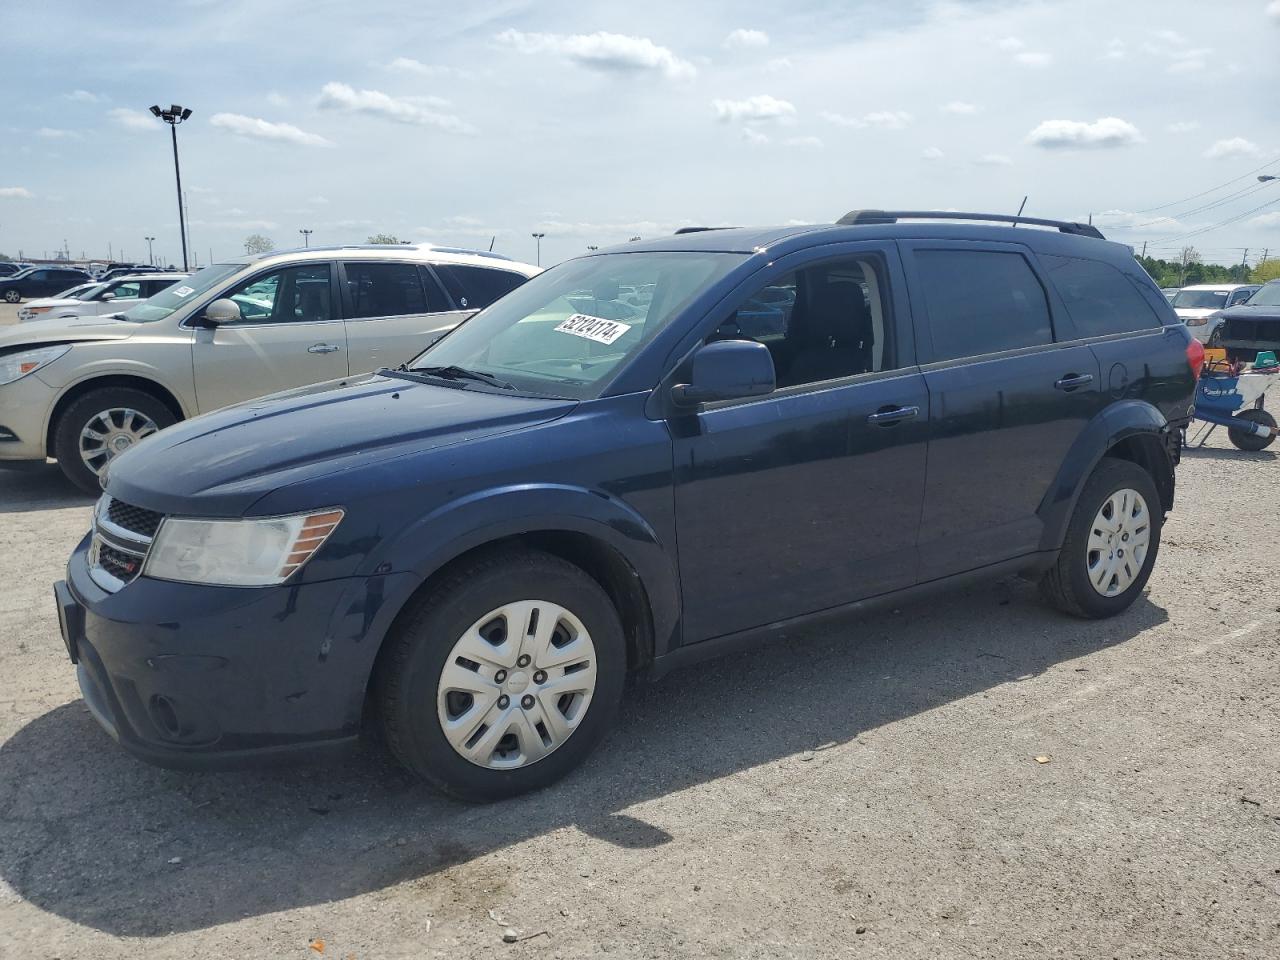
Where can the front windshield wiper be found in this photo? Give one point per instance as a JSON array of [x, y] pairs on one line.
[[454, 372]]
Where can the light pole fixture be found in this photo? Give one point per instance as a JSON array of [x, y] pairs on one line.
[[633, 239], [174, 115], [538, 237], [1266, 177], [306, 237], [151, 257], [592, 247]]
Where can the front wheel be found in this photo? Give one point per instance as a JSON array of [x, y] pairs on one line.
[[1251, 441], [101, 425], [12, 296], [504, 677], [1111, 543]]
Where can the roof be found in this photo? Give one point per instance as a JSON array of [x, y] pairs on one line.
[[1217, 286], [149, 275], [421, 252]]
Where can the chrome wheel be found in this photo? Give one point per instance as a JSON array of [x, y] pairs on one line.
[[110, 433], [1118, 542], [517, 684]]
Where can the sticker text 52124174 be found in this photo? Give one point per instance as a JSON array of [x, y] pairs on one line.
[[593, 328]]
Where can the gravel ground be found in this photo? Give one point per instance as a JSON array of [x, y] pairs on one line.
[[868, 789]]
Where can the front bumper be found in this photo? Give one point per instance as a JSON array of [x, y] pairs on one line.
[[25, 405], [199, 677]]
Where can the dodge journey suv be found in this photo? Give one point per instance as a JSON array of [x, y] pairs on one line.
[[83, 389], [473, 549]]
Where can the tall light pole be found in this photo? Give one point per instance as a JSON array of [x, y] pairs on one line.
[[151, 257], [538, 237], [173, 116], [306, 237]]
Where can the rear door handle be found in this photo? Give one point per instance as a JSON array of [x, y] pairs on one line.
[[1073, 380], [892, 415], [323, 348]]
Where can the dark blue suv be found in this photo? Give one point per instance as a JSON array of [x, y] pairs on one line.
[[474, 550]]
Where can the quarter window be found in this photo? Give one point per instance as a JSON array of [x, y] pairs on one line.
[[982, 301], [474, 288], [1100, 299], [385, 289]]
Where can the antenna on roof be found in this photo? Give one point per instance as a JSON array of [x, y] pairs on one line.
[[1022, 206], [492, 240]]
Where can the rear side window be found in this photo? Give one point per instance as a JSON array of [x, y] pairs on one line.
[[474, 288], [385, 289], [1100, 299], [982, 301]]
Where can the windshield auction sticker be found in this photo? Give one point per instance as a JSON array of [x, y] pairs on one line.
[[184, 291], [593, 328]]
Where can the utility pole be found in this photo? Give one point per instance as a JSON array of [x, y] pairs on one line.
[[306, 237], [538, 237], [1144, 248], [151, 257], [173, 116]]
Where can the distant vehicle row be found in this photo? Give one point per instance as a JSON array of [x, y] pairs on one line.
[[98, 298]]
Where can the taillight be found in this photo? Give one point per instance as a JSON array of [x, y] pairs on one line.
[[1195, 357]]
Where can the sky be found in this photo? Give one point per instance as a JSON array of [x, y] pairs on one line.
[[466, 123]]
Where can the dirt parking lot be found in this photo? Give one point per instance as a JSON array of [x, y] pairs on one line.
[[868, 789]]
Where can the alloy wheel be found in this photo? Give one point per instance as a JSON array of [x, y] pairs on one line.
[[110, 433], [1118, 542], [12, 296], [517, 684]]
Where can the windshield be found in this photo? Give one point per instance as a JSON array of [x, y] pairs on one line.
[[1268, 295], [21, 273], [180, 294], [567, 331], [1201, 299], [81, 291]]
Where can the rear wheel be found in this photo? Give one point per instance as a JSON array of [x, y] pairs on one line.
[[504, 677], [1111, 543], [1252, 441], [100, 426]]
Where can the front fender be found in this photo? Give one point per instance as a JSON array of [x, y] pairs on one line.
[[485, 516], [1117, 422]]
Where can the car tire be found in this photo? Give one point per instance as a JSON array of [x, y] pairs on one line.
[[152, 414], [1083, 560], [1215, 338], [1251, 441], [12, 296], [411, 682]]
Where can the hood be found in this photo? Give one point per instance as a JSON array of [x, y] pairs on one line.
[[1185, 312], [36, 333], [220, 464], [1248, 311]]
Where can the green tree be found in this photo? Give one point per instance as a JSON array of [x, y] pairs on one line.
[[384, 238], [1266, 270], [257, 243], [5, 257]]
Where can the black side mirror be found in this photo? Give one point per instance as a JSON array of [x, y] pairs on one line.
[[727, 370]]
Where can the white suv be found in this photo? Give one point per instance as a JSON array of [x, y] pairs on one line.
[[84, 389], [95, 299]]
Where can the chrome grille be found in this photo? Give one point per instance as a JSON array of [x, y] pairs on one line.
[[122, 536]]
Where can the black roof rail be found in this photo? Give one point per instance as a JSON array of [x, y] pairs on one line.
[[683, 230], [854, 217]]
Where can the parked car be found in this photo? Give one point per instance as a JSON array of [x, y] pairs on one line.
[[475, 549], [231, 332], [1245, 329], [39, 282], [125, 270], [1200, 306], [8, 268], [96, 299], [1170, 292]]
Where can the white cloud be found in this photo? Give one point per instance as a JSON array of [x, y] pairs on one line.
[[17, 193], [804, 142], [1010, 44], [258, 129], [83, 96], [277, 99], [1124, 220], [419, 111], [1117, 49], [754, 137], [779, 65], [1183, 126], [611, 52], [1171, 37], [994, 160], [1273, 10], [1077, 134], [238, 224], [1034, 58], [1192, 61], [752, 109], [741, 39], [132, 119], [959, 107], [53, 133], [1267, 219], [931, 153], [417, 67], [1233, 148], [318, 201], [881, 119]]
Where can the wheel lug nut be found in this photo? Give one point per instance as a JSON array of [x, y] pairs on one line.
[[540, 677], [500, 677], [527, 702], [503, 702], [524, 660]]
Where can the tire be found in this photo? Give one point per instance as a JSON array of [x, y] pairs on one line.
[[1215, 338], [12, 296], [1068, 584], [410, 682], [152, 415], [1251, 441]]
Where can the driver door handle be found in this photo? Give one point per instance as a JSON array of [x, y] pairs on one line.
[[1073, 380], [323, 348], [892, 415]]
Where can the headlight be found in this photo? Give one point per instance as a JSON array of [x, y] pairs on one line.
[[14, 366], [1197, 321], [238, 553]]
